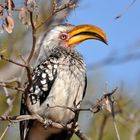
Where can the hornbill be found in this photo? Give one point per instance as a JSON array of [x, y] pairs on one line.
[[58, 81]]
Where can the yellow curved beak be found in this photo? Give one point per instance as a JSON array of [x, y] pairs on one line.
[[84, 32]]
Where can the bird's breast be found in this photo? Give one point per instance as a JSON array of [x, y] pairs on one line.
[[67, 90]]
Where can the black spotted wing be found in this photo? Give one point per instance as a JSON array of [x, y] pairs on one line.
[[42, 80]]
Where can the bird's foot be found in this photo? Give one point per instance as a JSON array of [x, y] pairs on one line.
[[47, 123], [77, 128]]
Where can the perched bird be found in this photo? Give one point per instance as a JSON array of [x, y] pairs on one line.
[[58, 81]]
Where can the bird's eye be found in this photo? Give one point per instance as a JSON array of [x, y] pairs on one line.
[[63, 36]]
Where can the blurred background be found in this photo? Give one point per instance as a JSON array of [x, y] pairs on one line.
[[108, 67]]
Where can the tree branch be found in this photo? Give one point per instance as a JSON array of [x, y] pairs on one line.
[[70, 4], [12, 87], [2, 57]]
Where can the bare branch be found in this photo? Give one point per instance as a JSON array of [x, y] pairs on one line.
[[125, 10], [55, 5], [116, 129], [70, 4], [102, 127], [111, 104], [1, 137], [81, 135], [12, 87], [15, 119], [11, 61], [95, 108], [33, 38], [9, 101]]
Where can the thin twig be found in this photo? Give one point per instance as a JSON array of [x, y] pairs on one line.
[[11, 61], [70, 4], [33, 38], [102, 127], [5, 131], [15, 119], [55, 5], [113, 114], [125, 10], [17, 80], [27, 90], [94, 109], [81, 135], [12, 87], [9, 101], [116, 129]]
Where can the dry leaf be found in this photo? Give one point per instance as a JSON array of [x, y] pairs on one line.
[[24, 16], [22, 13], [28, 2], [10, 4], [8, 24]]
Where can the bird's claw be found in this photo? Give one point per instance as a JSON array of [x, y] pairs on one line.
[[47, 123]]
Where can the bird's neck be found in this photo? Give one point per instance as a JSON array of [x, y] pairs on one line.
[[46, 51]]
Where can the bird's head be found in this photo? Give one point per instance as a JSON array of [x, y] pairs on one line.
[[68, 35]]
